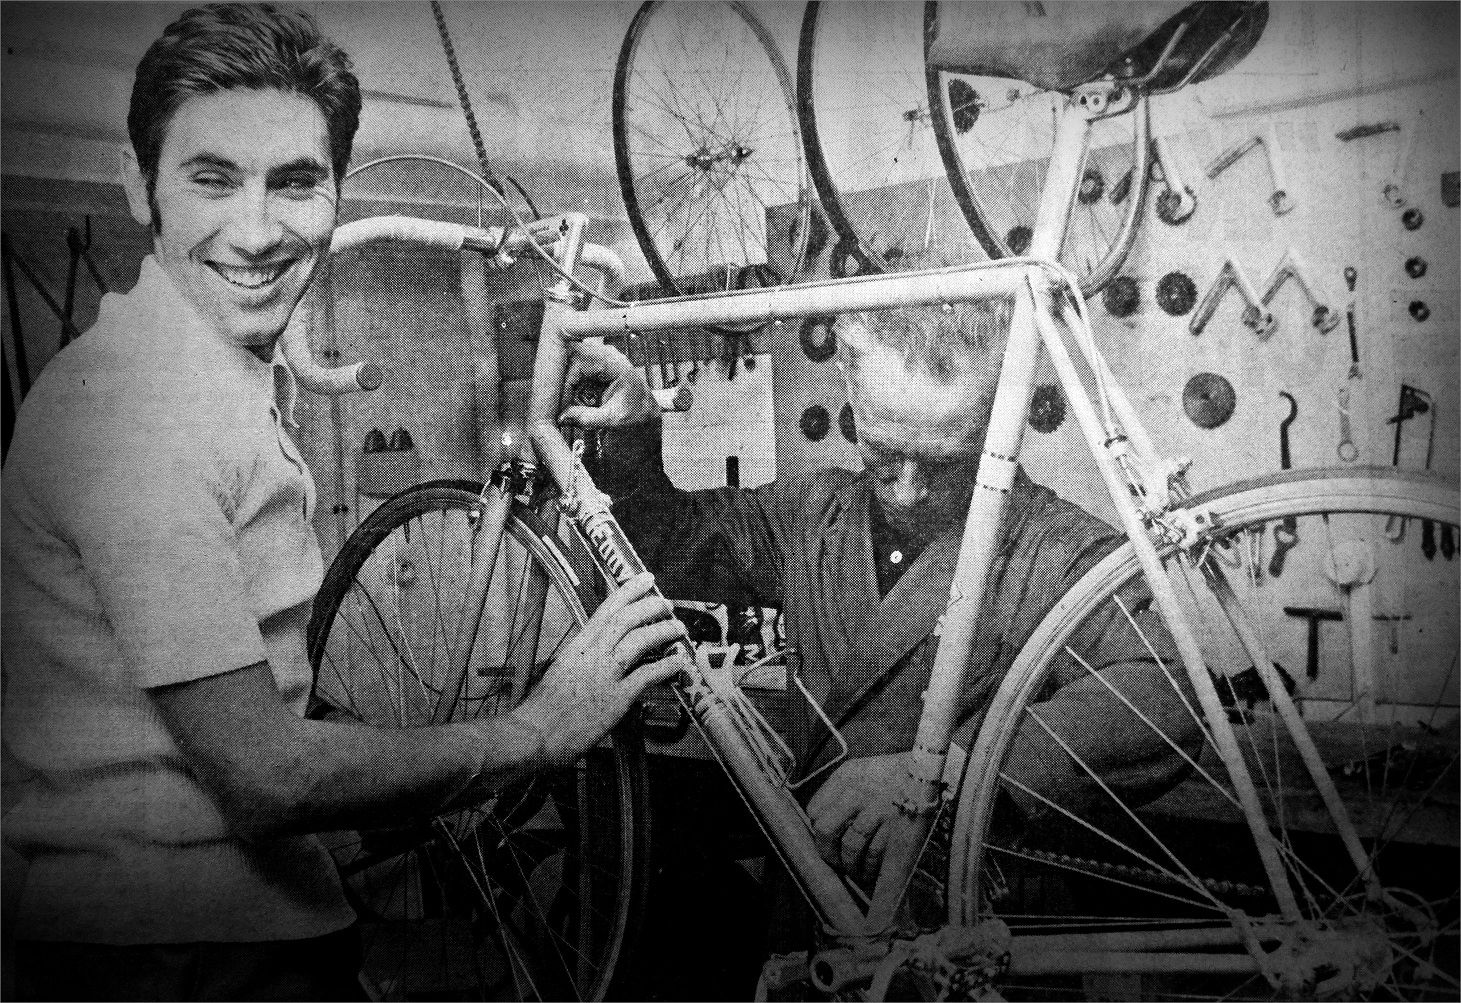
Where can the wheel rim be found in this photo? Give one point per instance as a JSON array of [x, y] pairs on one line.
[[869, 131], [995, 135], [706, 142], [527, 895], [1394, 773]]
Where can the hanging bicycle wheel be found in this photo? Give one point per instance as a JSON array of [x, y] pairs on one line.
[[995, 135], [707, 147], [533, 893], [1145, 879], [869, 136]]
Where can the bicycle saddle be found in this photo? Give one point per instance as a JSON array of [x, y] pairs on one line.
[[1058, 44]]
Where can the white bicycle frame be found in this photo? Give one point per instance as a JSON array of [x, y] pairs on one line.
[[1048, 310]]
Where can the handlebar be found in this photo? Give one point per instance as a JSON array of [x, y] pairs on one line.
[[497, 243]]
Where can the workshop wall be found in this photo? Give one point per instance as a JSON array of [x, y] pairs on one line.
[[1319, 70]]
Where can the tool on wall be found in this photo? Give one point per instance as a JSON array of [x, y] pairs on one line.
[[1354, 343], [1208, 400], [1122, 296], [1346, 449], [1177, 201], [1255, 316], [1291, 266], [1413, 403], [1286, 533], [1314, 617], [1394, 621], [1394, 188], [1278, 200], [1176, 293], [1047, 408]]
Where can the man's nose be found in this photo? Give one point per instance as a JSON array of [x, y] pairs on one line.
[[256, 226], [909, 488]]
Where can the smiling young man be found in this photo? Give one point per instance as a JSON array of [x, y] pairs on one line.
[[159, 565], [861, 566]]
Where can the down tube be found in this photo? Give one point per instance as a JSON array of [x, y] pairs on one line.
[[781, 818], [777, 812]]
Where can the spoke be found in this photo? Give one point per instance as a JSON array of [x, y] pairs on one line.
[[1192, 882], [446, 635], [1171, 678], [1150, 724]]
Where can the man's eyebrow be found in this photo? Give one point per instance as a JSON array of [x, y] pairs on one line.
[[209, 160], [301, 165]]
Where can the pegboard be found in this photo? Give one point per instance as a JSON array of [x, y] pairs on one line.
[[1320, 70], [1327, 85]]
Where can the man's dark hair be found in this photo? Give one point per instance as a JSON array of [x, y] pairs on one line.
[[230, 46]]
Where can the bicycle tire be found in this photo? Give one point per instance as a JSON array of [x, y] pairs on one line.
[[698, 160], [868, 133], [1397, 799], [995, 135], [485, 902]]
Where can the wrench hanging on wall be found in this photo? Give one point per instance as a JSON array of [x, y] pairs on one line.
[[1255, 315], [1279, 199], [1291, 266]]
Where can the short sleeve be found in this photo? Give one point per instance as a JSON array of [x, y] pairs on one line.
[[145, 494]]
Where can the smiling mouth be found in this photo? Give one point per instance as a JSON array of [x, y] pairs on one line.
[[250, 277]]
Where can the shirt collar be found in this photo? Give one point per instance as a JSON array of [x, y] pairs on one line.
[[167, 325]]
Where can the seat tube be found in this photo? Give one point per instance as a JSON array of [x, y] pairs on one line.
[[992, 484]]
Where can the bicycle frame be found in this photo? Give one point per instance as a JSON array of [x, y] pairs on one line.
[[1048, 309], [1036, 284]]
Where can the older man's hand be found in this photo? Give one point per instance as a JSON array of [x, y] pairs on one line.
[[851, 810], [623, 395]]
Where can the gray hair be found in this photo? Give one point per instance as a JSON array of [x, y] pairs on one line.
[[939, 341]]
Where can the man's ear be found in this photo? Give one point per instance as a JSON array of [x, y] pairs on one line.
[[135, 185]]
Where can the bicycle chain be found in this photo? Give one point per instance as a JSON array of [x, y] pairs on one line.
[[1128, 872]]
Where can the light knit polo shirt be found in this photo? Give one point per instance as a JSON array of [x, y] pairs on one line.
[[156, 530]]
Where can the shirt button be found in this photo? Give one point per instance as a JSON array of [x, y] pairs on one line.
[[896, 557]]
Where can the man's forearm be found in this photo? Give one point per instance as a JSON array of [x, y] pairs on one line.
[[272, 772], [362, 777], [1085, 729]]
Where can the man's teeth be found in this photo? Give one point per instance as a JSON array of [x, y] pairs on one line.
[[250, 278]]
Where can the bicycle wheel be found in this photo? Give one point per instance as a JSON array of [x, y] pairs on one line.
[[869, 136], [707, 148], [1152, 885], [532, 894], [995, 135]]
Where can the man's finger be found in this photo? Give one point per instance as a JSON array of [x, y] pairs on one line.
[[634, 589], [575, 372], [651, 637], [855, 839], [601, 353], [584, 416], [831, 816], [650, 673], [645, 610], [873, 855], [832, 793]]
